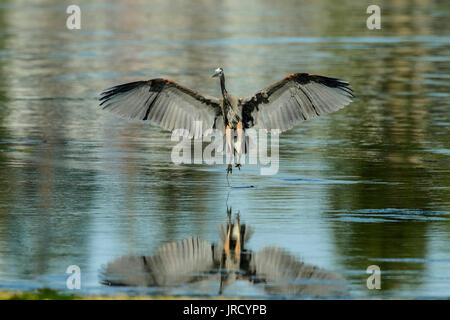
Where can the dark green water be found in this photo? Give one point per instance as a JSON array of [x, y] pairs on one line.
[[368, 185]]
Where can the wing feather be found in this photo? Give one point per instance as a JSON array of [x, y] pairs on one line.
[[174, 263], [284, 274], [163, 103], [297, 97]]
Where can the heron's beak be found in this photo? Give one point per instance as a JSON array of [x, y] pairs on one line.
[[215, 74]]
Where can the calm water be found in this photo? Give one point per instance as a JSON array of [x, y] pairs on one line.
[[368, 185]]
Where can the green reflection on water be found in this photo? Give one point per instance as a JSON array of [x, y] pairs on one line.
[[79, 185]]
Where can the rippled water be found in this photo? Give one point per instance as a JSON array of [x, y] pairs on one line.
[[368, 185]]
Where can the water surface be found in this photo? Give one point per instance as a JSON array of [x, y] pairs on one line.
[[368, 185]]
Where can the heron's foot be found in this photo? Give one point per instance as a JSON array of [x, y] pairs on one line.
[[229, 168], [238, 165]]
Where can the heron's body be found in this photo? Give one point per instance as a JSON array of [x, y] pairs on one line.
[[280, 106], [232, 109], [231, 106]]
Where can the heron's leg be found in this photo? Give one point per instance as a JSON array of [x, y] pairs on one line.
[[229, 149], [226, 246], [237, 250], [238, 144]]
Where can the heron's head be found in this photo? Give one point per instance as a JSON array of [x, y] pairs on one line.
[[218, 72]]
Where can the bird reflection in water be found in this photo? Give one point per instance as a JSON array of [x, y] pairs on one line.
[[193, 260]]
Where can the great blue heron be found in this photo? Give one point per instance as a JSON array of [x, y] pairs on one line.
[[193, 260], [297, 97]]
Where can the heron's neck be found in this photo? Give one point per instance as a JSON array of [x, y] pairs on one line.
[[222, 84]]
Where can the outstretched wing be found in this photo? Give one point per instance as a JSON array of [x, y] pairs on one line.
[[297, 97], [285, 275], [164, 103], [174, 263]]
